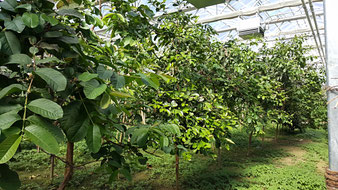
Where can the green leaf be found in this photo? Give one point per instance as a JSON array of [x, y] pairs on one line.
[[118, 81], [53, 34], [11, 89], [140, 136], [28, 7], [93, 138], [4, 108], [79, 130], [147, 81], [16, 24], [53, 78], [4, 16], [105, 101], [43, 138], [120, 94], [126, 174], [8, 147], [70, 12], [9, 179], [104, 73], [93, 88], [46, 108], [69, 39], [86, 76], [52, 129], [9, 5], [74, 123], [48, 60], [53, 21], [30, 19], [7, 119], [21, 59], [9, 43]]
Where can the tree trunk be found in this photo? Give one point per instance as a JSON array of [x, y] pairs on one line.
[[276, 135], [219, 157], [263, 134], [52, 165], [177, 168], [250, 140], [69, 166]]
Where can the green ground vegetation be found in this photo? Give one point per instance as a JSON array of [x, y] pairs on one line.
[[294, 161]]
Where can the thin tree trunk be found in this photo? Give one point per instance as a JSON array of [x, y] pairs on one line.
[[263, 134], [52, 165], [177, 168], [219, 157], [250, 140], [276, 135], [69, 166]]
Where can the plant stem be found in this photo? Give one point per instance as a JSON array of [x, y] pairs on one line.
[[25, 106], [69, 166], [177, 167]]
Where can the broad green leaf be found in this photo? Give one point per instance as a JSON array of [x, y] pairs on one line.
[[30, 19], [52, 129], [140, 136], [8, 147], [118, 81], [9, 43], [9, 179], [4, 16], [69, 39], [70, 12], [16, 24], [53, 78], [79, 130], [4, 108], [45, 45], [7, 119], [48, 60], [120, 94], [126, 174], [11, 89], [9, 5], [93, 138], [147, 81], [28, 7], [93, 88], [105, 101], [43, 138], [21, 59], [53, 21], [74, 123], [104, 73], [86, 76], [53, 34], [46, 108]]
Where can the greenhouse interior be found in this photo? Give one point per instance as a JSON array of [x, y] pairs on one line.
[[168, 94]]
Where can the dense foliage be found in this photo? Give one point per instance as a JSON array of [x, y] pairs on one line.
[[170, 85]]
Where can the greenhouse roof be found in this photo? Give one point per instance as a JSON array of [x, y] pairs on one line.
[[280, 19]]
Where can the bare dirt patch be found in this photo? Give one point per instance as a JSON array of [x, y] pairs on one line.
[[321, 167], [297, 155]]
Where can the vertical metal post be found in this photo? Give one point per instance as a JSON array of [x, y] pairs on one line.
[[331, 39]]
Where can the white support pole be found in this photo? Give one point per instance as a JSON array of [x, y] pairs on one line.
[[331, 41]]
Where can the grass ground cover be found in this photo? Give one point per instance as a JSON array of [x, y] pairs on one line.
[[292, 162]]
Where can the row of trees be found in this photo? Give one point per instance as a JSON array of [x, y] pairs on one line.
[[167, 86]]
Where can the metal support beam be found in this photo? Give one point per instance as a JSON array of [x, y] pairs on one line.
[[274, 21], [254, 10], [331, 41]]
